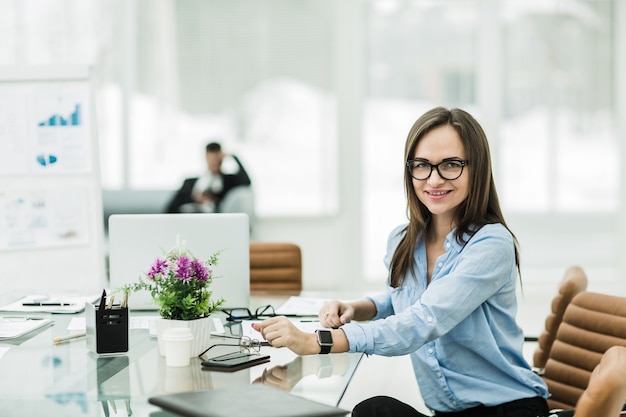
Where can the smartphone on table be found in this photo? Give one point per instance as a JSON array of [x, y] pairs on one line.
[[231, 362]]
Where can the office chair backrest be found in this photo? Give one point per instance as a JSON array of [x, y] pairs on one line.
[[573, 282], [592, 323], [275, 267], [606, 394], [239, 200]]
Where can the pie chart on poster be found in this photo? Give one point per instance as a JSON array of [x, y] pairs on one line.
[[45, 160]]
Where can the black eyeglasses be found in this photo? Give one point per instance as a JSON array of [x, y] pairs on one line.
[[448, 169], [239, 314], [246, 346]]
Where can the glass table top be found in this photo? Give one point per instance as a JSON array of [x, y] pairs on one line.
[[39, 377]]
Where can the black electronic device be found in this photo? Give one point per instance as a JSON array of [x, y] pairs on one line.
[[325, 340], [256, 400], [233, 361]]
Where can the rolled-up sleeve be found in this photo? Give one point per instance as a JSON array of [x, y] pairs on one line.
[[360, 338]]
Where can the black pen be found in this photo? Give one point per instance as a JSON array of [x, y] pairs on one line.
[[42, 304], [103, 300]]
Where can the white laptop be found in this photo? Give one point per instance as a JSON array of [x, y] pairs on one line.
[[136, 240]]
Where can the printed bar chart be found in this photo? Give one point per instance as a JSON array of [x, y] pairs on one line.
[[73, 119]]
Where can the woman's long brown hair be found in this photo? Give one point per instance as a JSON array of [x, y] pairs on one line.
[[479, 208]]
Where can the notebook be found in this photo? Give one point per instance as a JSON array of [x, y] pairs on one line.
[[251, 400], [12, 327], [136, 240]]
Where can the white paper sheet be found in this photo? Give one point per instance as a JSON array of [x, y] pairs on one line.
[[12, 327], [301, 306], [50, 304], [304, 325]]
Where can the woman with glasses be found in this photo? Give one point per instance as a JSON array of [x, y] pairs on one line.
[[451, 293]]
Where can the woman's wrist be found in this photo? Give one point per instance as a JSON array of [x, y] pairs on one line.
[[340, 341], [315, 347]]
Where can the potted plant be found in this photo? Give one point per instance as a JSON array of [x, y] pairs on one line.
[[179, 284]]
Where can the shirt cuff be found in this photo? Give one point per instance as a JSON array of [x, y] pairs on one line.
[[359, 339]]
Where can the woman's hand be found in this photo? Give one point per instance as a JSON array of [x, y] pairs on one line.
[[281, 332], [335, 314]]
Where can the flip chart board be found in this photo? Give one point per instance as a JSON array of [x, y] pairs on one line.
[[51, 229]]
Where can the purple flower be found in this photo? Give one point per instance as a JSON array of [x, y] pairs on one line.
[[184, 269], [159, 266], [202, 273]]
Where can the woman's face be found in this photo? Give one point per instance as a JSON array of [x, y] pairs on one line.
[[439, 195]]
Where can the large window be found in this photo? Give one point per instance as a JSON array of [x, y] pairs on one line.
[[413, 66], [252, 74], [558, 106], [172, 75]]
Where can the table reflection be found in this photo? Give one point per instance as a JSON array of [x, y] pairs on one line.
[[113, 384], [287, 376]]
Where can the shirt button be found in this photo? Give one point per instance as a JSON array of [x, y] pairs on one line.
[[438, 374], [430, 350], [447, 244], [429, 319], [453, 402], [440, 264]]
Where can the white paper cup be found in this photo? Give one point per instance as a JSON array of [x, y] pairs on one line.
[[177, 343]]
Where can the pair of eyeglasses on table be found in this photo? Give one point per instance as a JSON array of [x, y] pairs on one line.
[[242, 313], [248, 354], [246, 345]]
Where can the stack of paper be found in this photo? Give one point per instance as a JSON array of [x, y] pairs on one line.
[[12, 327]]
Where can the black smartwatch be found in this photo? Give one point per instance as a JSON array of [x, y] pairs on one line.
[[325, 339]]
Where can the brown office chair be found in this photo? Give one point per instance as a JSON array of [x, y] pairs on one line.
[[592, 324], [606, 394], [573, 282], [275, 267]]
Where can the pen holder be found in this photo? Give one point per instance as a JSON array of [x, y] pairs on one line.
[[107, 329]]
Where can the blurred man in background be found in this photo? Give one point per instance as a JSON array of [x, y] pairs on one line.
[[215, 191]]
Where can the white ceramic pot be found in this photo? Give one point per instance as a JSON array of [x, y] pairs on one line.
[[200, 328]]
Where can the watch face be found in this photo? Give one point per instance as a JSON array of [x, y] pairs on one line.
[[325, 337]]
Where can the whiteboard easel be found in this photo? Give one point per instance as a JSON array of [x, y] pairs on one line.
[[51, 228]]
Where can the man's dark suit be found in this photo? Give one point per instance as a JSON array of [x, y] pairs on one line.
[[229, 181]]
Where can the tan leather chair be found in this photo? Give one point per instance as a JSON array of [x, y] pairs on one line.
[[573, 282], [592, 324], [606, 394], [275, 267]]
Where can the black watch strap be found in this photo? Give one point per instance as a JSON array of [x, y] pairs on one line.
[[325, 340]]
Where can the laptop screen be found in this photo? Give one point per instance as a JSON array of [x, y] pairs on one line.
[[136, 240]]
